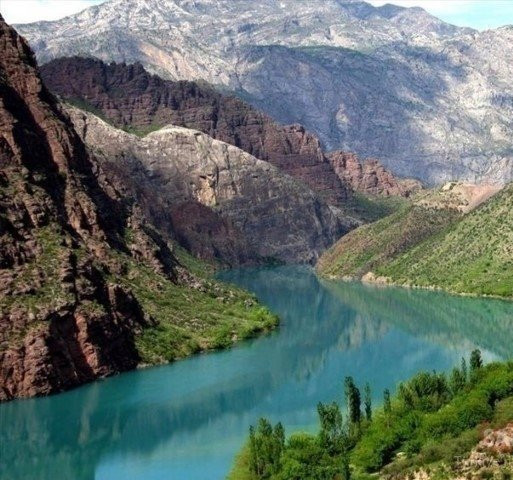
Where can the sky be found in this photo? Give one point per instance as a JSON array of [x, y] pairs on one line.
[[480, 14]]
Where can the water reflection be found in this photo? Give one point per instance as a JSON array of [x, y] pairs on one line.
[[185, 421]]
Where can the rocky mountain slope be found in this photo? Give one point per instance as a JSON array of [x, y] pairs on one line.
[[373, 248], [88, 288], [428, 99], [130, 98], [185, 172], [370, 176]]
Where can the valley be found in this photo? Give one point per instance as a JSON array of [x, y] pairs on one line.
[[255, 240]]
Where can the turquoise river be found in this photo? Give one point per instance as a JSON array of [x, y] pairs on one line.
[[186, 421]]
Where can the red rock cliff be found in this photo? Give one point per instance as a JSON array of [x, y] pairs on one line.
[[127, 95], [369, 176], [62, 322]]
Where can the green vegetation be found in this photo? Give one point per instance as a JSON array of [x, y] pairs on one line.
[[84, 105], [370, 208], [140, 131], [370, 246], [474, 255], [203, 315], [430, 244], [433, 420], [46, 264]]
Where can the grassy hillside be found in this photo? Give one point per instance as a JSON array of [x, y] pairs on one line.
[[431, 425], [375, 244], [435, 242], [474, 255], [370, 208], [202, 314]]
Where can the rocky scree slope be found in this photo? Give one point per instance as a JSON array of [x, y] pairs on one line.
[[130, 98], [371, 248], [88, 287], [428, 99], [175, 169]]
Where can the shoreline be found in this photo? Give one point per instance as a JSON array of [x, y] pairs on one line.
[[378, 281]]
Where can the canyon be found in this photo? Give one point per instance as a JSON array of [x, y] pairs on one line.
[[78, 258]]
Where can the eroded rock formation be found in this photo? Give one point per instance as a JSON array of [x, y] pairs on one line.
[[208, 184], [370, 176], [63, 321], [128, 96]]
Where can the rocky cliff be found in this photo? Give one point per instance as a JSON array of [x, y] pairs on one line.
[[187, 173], [370, 177], [62, 322], [76, 256], [128, 96], [427, 99]]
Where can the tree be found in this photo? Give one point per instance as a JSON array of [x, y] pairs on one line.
[[476, 362], [265, 448], [387, 405], [464, 371], [368, 402], [331, 435], [346, 471], [278, 442], [457, 381], [426, 391], [353, 400]]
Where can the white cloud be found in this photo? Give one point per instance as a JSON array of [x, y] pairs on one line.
[[26, 11]]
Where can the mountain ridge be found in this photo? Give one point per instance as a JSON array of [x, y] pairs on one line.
[[130, 98], [427, 99]]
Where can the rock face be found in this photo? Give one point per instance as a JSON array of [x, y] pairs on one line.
[[370, 177], [128, 96], [61, 322], [498, 441], [217, 186], [427, 99]]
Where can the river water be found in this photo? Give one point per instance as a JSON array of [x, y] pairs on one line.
[[186, 421]]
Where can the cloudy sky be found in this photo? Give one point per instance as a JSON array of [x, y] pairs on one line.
[[479, 14]]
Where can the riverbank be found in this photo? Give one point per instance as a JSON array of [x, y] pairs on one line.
[[188, 419], [436, 426], [370, 278]]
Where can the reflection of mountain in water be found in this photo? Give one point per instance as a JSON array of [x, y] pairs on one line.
[[440, 317], [74, 428], [328, 331]]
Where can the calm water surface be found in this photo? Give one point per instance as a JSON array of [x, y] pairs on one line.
[[187, 420]]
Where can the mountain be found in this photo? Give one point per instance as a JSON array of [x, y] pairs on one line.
[[89, 287], [130, 98], [457, 238], [427, 99], [181, 177]]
